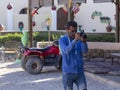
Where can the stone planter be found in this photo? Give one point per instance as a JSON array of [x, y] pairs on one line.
[[43, 44]]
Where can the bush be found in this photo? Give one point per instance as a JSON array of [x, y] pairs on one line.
[[43, 36], [9, 37], [101, 38]]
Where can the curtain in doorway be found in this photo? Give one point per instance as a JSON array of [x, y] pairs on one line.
[[44, 3], [101, 1], [60, 2], [79, 1], [35, 3]]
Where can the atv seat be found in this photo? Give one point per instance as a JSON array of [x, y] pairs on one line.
[[41, 49]]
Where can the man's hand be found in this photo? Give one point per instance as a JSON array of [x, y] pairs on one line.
[[83, 39], [77, 36]]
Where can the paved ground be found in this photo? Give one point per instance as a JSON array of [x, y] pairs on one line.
[[13, 77], [98, 66]]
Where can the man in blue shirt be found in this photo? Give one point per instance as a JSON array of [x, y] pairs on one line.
[[72, 47]]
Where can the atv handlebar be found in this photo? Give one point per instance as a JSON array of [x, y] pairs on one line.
[[22, 49]]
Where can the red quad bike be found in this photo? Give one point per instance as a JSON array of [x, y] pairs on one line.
[[34, 59]]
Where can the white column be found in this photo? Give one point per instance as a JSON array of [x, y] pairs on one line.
[[10, 19], [54, 20]]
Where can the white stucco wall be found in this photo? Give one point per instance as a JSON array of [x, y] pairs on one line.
[[83, 17], [17, 6], [44, 13]]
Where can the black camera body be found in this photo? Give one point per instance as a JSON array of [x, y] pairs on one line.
[[82, 34]]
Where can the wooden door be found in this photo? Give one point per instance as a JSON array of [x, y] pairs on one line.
[[62, 18]]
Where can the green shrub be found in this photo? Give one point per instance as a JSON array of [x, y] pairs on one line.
[[101, 38], [43, 36], [9, 37]]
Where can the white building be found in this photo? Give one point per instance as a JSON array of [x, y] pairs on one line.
[[90, 16]]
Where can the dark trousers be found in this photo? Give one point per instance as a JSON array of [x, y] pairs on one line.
[[70, 78]]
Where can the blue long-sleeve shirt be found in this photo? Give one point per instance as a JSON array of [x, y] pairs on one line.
[[71, 51]]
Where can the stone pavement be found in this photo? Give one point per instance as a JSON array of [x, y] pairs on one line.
[[104, 71], [13, 77], [98, 66]]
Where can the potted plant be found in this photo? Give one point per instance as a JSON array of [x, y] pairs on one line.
[[109, 28]]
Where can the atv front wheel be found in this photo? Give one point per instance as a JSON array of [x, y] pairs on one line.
[[34, 66]]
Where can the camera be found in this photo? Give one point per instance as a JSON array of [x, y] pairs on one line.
[[82, 34]]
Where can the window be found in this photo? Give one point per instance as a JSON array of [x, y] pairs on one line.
[[23, 11]]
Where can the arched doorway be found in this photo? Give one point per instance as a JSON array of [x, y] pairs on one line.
[[62, 18]]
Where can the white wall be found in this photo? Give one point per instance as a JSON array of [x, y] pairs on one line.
[[44, 13], [83, 17], [17, 6]]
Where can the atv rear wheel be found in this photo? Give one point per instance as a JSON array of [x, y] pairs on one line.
[[59, 66], [23, 62], [34, 65]]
